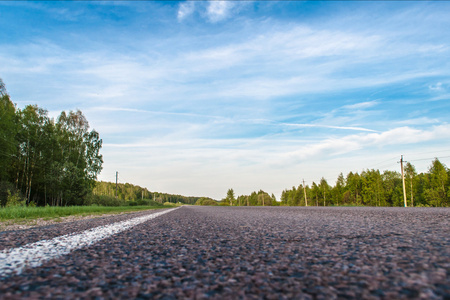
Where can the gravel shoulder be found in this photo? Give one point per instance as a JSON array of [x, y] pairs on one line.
[[16, 234], [258, 253], [22, 224]]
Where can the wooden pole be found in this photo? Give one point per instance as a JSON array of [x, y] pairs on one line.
[[117, 178], [403, 181], [304, 191]]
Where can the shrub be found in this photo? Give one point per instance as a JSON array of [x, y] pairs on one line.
[[9, 196], [206, 201], [104, 201], [148, 202]]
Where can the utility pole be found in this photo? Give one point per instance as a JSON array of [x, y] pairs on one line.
[[117, 178], [412, 199], [403, 180], [304, 191]]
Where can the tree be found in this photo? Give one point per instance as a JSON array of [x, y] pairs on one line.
[[354, 188], [79, 160], [436, 191], [8, 132], [392, 186], [230, 197], [3, 91], [324, 190], [315, 191], [337, 191], [410, 174], [370, 188], [31, 146]]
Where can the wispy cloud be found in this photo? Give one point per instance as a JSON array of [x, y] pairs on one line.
[[219, 10], [185, 9], [351, 143], [436, 87], [213, 11], [330, 126], [361, 105]]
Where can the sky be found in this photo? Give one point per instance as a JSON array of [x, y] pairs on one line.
[[196, 97]]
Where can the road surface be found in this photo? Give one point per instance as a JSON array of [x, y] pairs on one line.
[[235, 253]]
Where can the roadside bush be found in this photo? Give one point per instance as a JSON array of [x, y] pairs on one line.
[[9, 196], [104, 201], [144, 202], [206, 201], [148, 202]]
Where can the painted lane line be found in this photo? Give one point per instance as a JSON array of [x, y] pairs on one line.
[[32, 255]]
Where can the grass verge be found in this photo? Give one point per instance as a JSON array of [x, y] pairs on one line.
[[30, 213]]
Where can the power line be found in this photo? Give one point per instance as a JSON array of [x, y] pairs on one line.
[[429, 158], [391, 159], [428, 152]]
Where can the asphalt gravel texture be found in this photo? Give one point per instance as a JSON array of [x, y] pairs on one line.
[[249, 253]]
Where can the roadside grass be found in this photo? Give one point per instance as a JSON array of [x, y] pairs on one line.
[[52, 212], [173, 204]]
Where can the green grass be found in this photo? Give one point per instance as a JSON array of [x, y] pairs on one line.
[[29, 213]]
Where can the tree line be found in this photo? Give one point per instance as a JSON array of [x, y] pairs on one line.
[[373, 188], [133, 193], [259, 198], [46, 161], [370, 188]]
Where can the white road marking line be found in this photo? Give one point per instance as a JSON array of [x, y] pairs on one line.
[[32, 255]]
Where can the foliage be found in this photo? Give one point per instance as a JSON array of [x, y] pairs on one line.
[[229, 199], [259, 198], [48, 162], [206, 201], [373, 188], [101, 200], [143, 202], [129, 192], [9, 195]]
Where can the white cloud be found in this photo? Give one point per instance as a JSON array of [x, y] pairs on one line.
[[436, 87], [361, 105], [185, 9], [350, 143], [418, 121], [330, 127], [218, 10]]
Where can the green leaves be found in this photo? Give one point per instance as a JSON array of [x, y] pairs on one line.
[[48, 162], [372, 188]]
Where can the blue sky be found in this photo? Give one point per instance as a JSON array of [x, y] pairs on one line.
[[197, 97]]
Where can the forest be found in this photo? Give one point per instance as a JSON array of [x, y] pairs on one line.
[[373, 188], [46, 161], [370, 188], [133, 193]]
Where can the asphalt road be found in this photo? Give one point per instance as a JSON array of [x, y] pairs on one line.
[[243, 253]]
